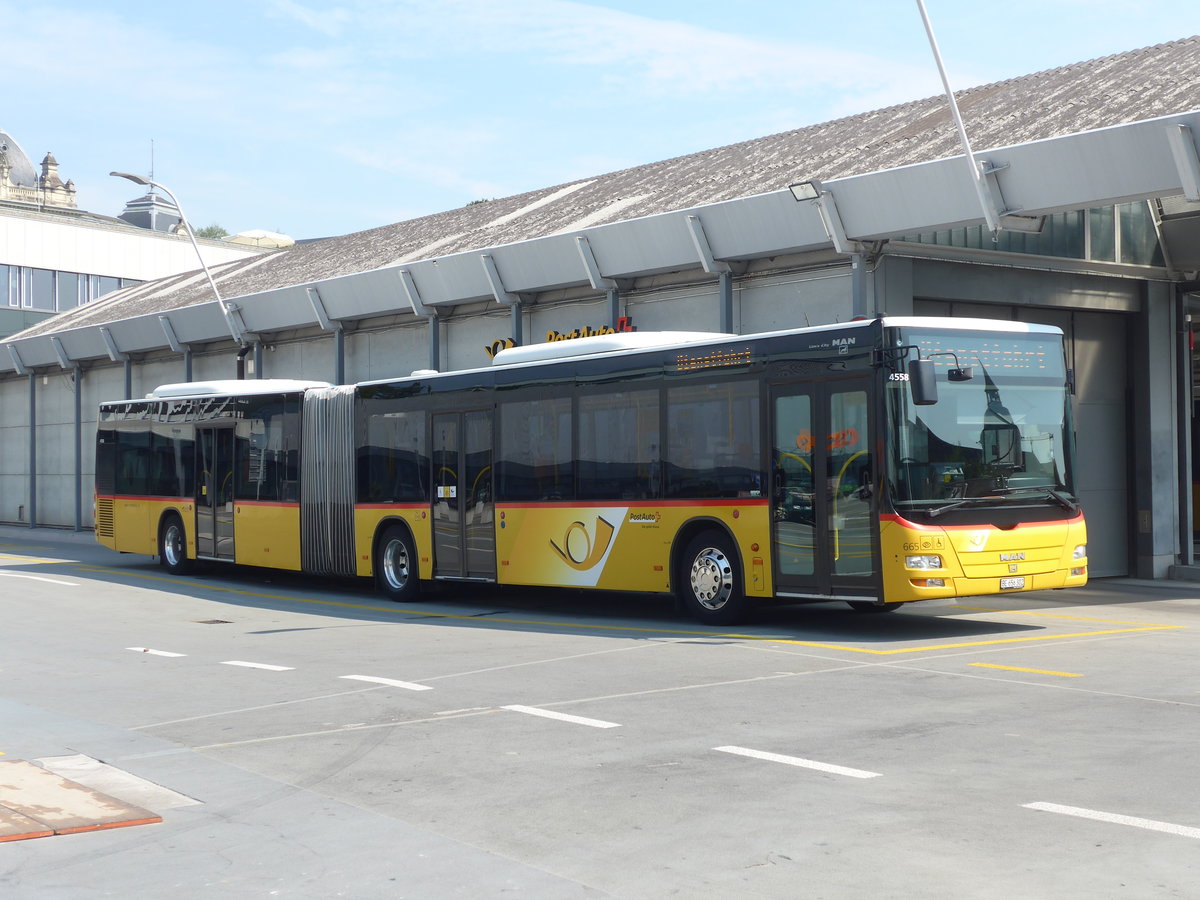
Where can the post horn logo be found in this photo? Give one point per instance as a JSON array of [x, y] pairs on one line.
[[581, 551]]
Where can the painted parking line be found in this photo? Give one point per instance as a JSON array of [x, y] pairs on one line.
[[798, 761], [1034, 671], [562, 717], [6, 573], [254, 665], [391, 682], [151, 652], [1117, 819]]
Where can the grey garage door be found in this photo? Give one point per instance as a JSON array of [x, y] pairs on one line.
[[1098, 352]]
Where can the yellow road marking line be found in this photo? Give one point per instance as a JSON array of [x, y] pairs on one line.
[[1032, 612], [30, 559], [1034, 671], [584, 626]]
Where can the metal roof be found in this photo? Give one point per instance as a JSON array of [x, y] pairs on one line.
[[1091, 134]]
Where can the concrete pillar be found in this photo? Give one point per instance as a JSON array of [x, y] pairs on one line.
[[1153, 417], [33, 519], [893, 286]]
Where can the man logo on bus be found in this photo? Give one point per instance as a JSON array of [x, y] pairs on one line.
[[579, 551]]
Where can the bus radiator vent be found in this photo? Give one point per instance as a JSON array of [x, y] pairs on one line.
[[104, 517]]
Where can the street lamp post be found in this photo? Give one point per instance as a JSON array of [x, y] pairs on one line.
[[234, 330]]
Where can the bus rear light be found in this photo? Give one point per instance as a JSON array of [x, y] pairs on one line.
[[929, 582], [930, 561]]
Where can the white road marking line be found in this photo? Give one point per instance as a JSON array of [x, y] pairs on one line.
[[40, 578], [254, 665], [407, 685], [1116, 819], [562, 717], [797, 761], [154, 652]]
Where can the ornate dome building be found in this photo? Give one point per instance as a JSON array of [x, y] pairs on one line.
[[20, 183]]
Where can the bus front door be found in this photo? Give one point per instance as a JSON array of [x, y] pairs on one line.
[[824, 513], [214, 493], [464, 535]]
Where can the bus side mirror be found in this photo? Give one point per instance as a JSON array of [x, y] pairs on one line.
[[921, 382]]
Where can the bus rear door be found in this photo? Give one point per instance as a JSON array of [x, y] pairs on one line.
[[214, 493]]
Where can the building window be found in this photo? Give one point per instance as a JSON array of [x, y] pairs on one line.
[[1124, 233], [69, 289], [41, 289]]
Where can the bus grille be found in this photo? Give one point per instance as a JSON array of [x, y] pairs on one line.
[[104, 517]]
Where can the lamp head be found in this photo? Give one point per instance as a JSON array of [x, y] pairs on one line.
[[136, 179]]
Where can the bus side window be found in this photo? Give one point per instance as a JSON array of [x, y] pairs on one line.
[[535, 461], [713, 433]]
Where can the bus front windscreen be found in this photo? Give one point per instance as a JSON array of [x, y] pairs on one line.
[[999, 433]]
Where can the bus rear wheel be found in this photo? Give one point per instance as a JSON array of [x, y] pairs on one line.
[[396, 565], [172, 546], [709, 583]]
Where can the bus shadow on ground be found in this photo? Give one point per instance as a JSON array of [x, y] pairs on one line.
[[550, 610]]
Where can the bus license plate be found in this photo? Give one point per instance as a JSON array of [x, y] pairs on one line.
[[1011, 584]]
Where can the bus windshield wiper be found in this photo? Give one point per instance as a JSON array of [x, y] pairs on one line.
[[1050, 490], [936, 511]]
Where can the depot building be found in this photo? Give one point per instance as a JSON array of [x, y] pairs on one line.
[[1087, 218]]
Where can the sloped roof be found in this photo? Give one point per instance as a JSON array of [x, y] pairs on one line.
[[1127, 87]]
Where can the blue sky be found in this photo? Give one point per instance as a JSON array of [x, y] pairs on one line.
[[322, 118]]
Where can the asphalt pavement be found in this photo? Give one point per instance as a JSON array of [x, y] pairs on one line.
[[319, 741]]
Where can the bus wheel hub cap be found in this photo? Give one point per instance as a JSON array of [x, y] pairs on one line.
[[710, 579]]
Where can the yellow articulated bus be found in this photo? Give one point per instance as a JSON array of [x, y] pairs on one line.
[[876, 462]]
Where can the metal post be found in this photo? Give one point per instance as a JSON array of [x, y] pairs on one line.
[[435, 344], [339, 356], [614, 307], [989, 210], [78, 374], [187, 363], [32, 450], [258, 359], [128, 378], [725, 291], [858, 303], [518, 324]]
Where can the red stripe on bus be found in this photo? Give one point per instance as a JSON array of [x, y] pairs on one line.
[[155, 499], [422, 505], [591, 504], [163, 499], [900, 520]]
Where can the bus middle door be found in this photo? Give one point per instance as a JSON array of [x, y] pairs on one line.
[[464, 536]]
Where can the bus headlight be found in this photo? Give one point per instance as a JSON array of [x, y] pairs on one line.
[[1080, 552], [931, 561]]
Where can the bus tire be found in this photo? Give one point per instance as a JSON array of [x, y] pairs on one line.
[[396, 565], [709, 582], [172, 546], [870, 606]]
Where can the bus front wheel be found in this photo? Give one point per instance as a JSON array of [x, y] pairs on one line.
[[172, 546], [396, 565], [709, 584]]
